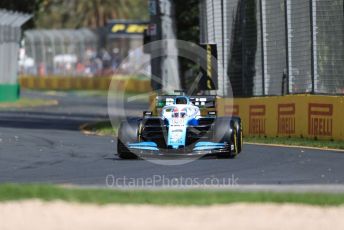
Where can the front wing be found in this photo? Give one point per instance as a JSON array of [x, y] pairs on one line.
[[199, 149]]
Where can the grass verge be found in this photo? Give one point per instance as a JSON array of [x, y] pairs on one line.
[[296, 141], [10, 192], [28, 102], [102, 128]]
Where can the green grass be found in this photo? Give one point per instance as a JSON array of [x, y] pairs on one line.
[[103, 128], [183, 197], [296, 141], [28, 102]]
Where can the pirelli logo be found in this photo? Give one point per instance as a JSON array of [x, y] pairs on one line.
[[286, 119], [232, 110], [320, 119], [257, 119]]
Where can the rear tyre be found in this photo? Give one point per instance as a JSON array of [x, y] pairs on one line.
[[224, 127], [128, 132]]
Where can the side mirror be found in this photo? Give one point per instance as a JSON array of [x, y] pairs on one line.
[[212, 113], [147, 113]]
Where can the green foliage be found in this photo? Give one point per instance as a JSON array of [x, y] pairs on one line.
[[77, 13], [296, 141], [187, 23], [182, 197], [88, 13], [103, 128], [187, 20]]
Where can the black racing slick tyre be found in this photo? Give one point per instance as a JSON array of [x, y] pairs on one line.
[[128, 132], [224, 132], [237, 135]]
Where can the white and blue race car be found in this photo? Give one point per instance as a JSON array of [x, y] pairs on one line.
[[180, 130]]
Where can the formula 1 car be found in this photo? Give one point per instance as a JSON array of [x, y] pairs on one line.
[[180, 130]]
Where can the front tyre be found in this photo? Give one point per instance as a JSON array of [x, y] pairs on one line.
[[128, 132], [238, 135], [224, 133]]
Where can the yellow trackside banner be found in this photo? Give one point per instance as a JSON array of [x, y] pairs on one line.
[[293, 115], [82, 83], [128, 28]]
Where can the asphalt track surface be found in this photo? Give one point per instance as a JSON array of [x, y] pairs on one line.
[[44, 145]]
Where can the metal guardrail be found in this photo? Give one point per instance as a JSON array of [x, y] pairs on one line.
[[81, 52], [277, 47], [60, 52]]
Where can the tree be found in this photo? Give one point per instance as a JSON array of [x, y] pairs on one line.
[[88, 13], [187, 23], [76, 13]]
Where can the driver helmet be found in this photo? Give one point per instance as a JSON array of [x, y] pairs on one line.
[[183, 112], [175, 112]]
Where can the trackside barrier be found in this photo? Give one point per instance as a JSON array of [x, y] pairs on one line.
[[83, 83], [10, 36], [311, 116]]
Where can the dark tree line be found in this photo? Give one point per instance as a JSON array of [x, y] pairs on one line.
[[76, 13], [187, 23]]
